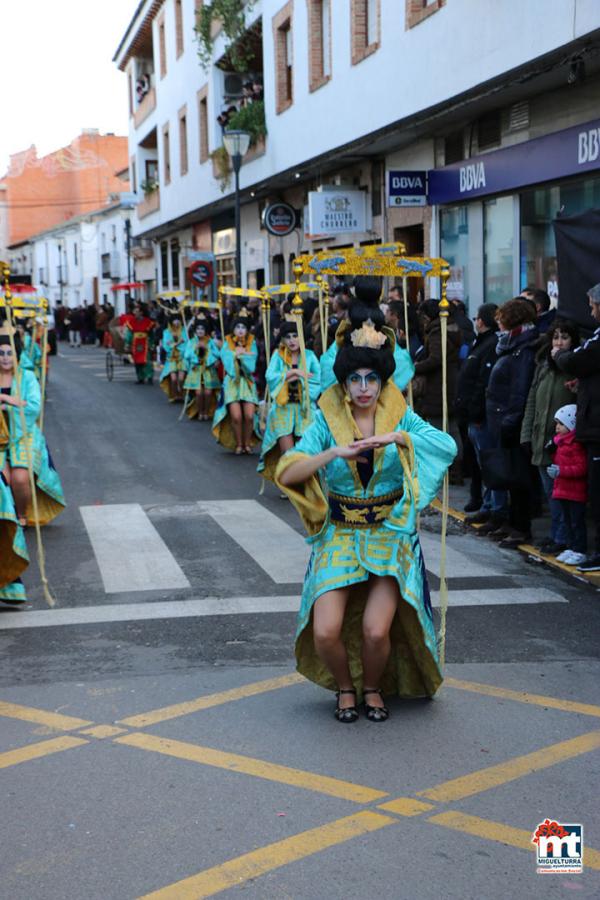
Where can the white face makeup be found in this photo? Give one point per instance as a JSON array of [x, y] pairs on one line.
[[364, 387], [291, 342], [200, 331], [6, 358], [240, 330]]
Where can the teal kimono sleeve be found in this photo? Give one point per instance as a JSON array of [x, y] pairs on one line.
[[275, 375], [228, 360], [434, 452], [190, 357], [405, 368], [167, 342], [248, 360], [314, 376], [326, 365], [308, 498], [213, 355]]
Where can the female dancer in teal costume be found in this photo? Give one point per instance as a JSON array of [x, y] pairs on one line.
[[202, 379], [174, 343], [358, 477], [290, 413], [13, 456], [13, 550], [367, 290], [233, 423]]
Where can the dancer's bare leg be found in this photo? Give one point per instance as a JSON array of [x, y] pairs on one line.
[[381, 607], [328, 618]]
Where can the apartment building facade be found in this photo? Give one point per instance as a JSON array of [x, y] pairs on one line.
[[79, 261], [458, 127]]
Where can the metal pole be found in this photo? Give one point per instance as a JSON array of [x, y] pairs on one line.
[[237, 162], [60, 278], [128, 238]]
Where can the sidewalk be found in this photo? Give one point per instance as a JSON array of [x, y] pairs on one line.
[[459, 496]]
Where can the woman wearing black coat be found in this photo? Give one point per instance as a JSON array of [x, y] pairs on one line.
[[506, 397]]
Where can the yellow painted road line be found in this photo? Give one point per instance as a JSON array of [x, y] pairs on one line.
[[36, 751], [236, 872], [490, 690], [502, 834], [209, 700], [494, 776], [103, 731], [406, 806], [41, 717], [246, 765]]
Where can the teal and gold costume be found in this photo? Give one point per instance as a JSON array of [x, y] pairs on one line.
[[174, 343], [200, 375], [31, 354], [13, 550], [405, 368], [289, 413], [49, 493], [238, 385], [356, 530]]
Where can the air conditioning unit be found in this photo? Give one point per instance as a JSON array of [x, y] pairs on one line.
[[233, 85]]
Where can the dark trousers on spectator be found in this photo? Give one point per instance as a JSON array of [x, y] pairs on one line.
[[594, 489], [574, 520]]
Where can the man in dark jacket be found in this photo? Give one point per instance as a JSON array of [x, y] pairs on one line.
[[470, 406], [584, 364]]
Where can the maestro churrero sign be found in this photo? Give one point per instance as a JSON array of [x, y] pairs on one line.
[[337, 212]]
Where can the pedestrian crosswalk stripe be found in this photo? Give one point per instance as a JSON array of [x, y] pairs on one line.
[[130, 553], [231, 606], [458, 564], [279, 550]]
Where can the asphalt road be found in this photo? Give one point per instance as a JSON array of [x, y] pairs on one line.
[[176, 584]]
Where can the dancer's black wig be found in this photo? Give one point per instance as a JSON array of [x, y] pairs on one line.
[[367, 291]]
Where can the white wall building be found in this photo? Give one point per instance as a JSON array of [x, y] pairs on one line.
[[355, 89], [79, 261]]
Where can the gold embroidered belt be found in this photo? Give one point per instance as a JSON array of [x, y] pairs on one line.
[[361, 512]]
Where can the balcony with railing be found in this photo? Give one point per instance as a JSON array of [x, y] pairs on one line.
[[149, 204], [146, 106]]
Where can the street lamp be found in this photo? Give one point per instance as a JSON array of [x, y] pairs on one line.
[[236, 144]]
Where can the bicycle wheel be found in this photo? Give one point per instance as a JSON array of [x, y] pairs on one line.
[[110, 365]]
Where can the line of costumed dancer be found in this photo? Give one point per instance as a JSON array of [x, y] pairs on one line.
[[358, 465], [22, 444]]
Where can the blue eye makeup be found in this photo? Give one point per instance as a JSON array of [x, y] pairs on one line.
[[371, 379]]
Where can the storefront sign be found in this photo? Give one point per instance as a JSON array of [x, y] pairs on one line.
[[279, 219], [337, 212], [559, 155], [407, 188], [202, 273]]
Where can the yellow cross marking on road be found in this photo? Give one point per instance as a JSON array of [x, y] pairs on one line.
[[258, 862]]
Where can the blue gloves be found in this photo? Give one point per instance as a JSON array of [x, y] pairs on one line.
[[553, 470]]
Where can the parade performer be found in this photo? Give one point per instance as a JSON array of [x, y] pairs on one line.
[[290, 411], [174, 341], [14, 558], [368, 290], [14, 455], [138, 338], [358, 477], [233, 422], [202, 379]]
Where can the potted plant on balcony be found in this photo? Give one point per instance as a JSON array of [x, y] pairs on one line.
[[231, 14], [149, 186]]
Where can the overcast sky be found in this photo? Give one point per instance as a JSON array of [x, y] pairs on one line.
[[57, 74]]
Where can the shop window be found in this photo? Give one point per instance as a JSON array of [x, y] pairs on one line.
[[454, 148], [319, 60], [164, 264], [419, 10], [166, 154], [278, 269], [175, 263], [454, 246], [203, 123], [489, 130], [282, 33], [178, 28], [365, 18], [498, 229], [538, 208], [162, 49], [183, 151]]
